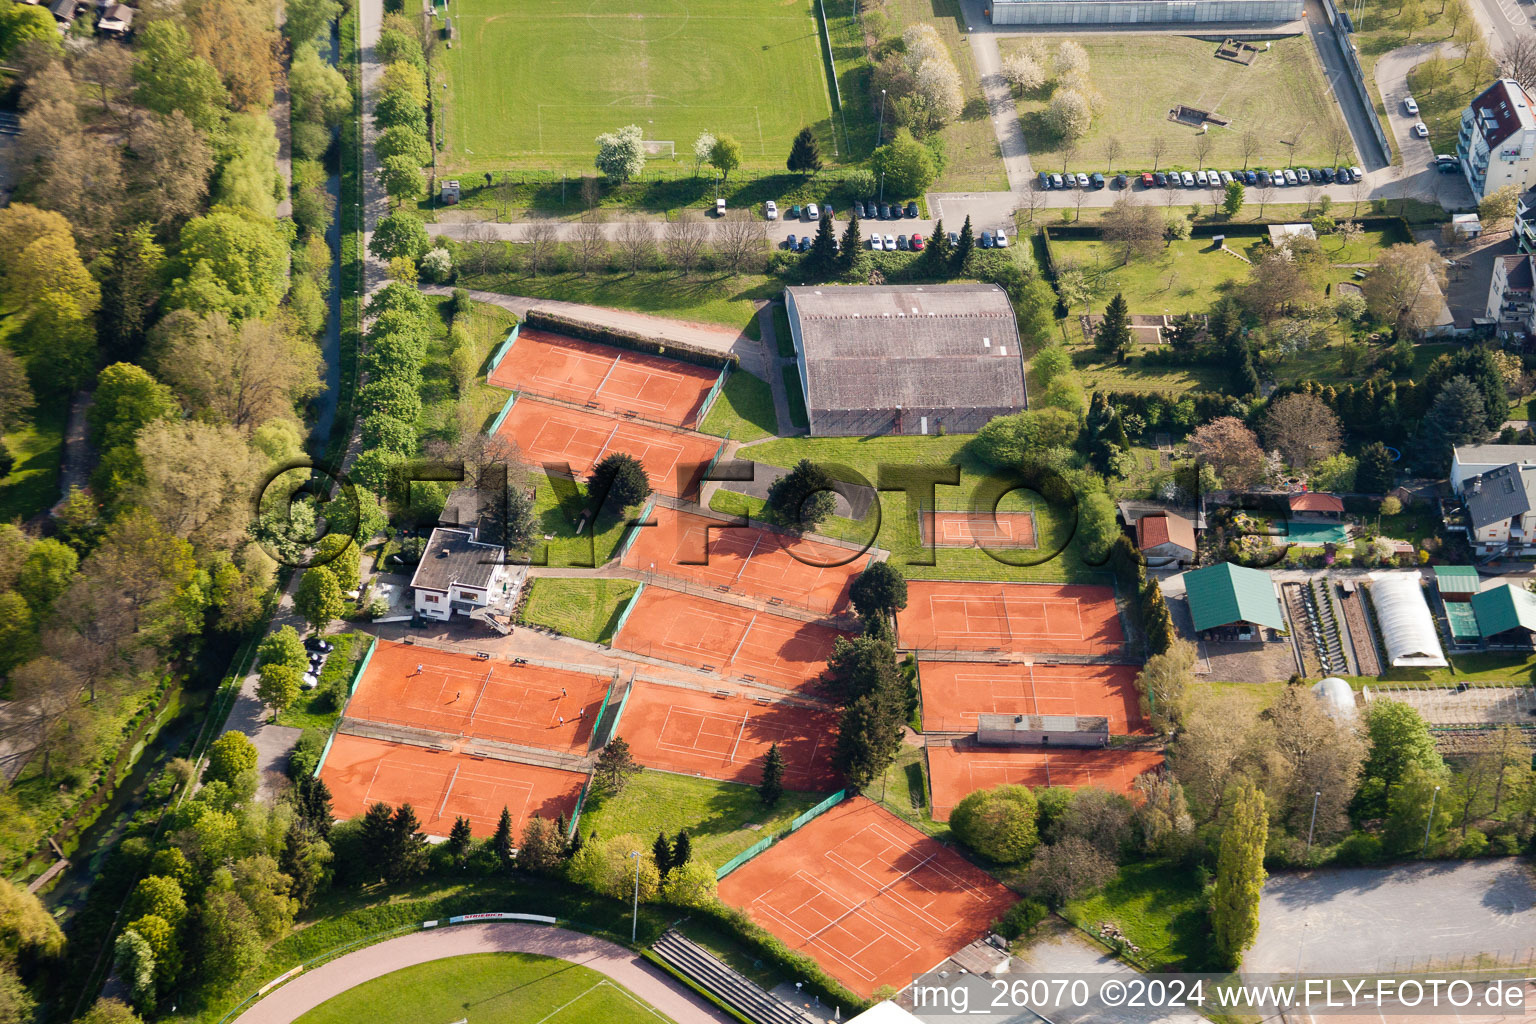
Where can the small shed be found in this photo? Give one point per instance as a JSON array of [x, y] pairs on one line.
[[1466, 225], [1317, 505], [1457, 582], [1166, 536], [116, 20], [1041, 730], [450, 192]]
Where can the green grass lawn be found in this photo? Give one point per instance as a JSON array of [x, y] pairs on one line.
[[1184, 277], [486, 325], [1283, 95], [781, 335], [751, 69], [797, 415], [744, 409], [728, 301], [312, 710], [893, 524], [722, 818], [1160, 907], [1441, 110], [584, 609], [558, 541], [38, 448]]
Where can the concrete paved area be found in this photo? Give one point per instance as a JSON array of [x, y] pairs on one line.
[[1466, 284], [1064, 952], [1369, 919], [308, 991]]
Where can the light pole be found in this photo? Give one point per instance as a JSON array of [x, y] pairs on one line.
[[1315, 797], [880, 136], [882, 186], [1432, 801], [634, 924]]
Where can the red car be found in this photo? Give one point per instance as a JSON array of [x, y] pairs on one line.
[[917, 243], [1146, 181]]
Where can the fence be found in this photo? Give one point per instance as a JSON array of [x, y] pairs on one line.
[[802, 608], [506, 346], [837, 91], [618, 713], [581, 802], [1341, 30], [634, 599], [362, 666], [762, 844], [709, 399], [634, 531], [496, 423]]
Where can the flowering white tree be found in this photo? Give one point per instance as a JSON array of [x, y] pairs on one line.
[[1070, 56], [1070, 114], [702, 147], [938, 91], [1023, 71], [621, 154]]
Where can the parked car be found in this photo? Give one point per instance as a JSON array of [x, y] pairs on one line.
[[719, 207], [805, 243], [890, 243], [986, 239], [1326, 173], [1186, 179], [1445, 163], [794, 212], [912, 210], [1082, 180], [1057, 182], [1303, 175], [901, 243], [1291, 177], [1159, 179], [875, 243], [771, 210], [885, 212], [1411, 105], [1000, 239], [1262, 178], [791, 243], [1250, 177], [1355, 173], [1120, 181], [858, 208], [1421, 129], [917, 243], [1148, 179], [811, 212], [1200, 179], [954, 239], [1045, 180]]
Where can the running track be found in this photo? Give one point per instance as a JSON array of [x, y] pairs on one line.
[[308, 991]]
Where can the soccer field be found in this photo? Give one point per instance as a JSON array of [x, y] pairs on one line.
[[534, 82], [512, 988]]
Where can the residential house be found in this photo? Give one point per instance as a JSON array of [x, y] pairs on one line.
[[458, 574], [1497, 143], [1470, 460], [116, 20], [1165, 537], [1501, 511], [1509, 303]]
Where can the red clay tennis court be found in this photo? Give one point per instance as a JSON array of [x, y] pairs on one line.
[[462, 695], [956, 692], [956, 772], [1010, 617], [979, 529], [753, 646], [441, 785], [614, 379], [674, 459], [696, 732], [867, 896], [747, 560]]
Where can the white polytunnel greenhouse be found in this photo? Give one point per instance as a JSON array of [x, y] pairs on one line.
[[1407, 628]]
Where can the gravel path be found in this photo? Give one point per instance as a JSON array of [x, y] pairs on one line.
[[308, 991]]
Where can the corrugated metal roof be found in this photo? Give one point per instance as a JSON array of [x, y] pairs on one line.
[[1457, 579], [1220, 595], [1504, 608]]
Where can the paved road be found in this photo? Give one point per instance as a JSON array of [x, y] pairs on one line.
[[1356, 108], [308, 991], [1504, 22]]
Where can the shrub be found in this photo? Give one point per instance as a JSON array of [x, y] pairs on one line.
[[437, 266], [1473, 844], [997, 823], [1022, 919], [1359, 850], [306, 753]]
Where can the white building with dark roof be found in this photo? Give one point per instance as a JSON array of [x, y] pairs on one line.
[[1470, 460], [458, 574], [1497, 143], [905, 359], [1501, 511], [1509, 303]]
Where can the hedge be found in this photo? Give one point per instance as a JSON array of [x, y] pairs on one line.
[[545, 320]]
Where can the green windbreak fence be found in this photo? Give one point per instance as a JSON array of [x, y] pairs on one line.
[[496, 423], [596, 729], [714, 393], [362, 666], [581, 801], [709, 471], [634, 531], [506, 346], [762, 844], [618, 627]]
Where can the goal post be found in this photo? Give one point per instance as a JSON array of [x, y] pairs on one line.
[[660, 147]]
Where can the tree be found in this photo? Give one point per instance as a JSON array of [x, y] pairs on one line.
[[1063, 871], [618, 482], [869, 736], [229, 757], [1233, 201], [402, 179], [853, 242], [1164, 682], [1498, 208], [460, 839], [725, 156], [400, 234], [772, 785], [543, 847], [1517, 60], [1375, 474], [608, 866], [1302, 429], [821, 261], [45, 574], [1161, 815], [230, 262], [109, 1011], [1397, 741], [171, 77], [1069, 114], [997, 823], [1405, 287], [1239, 874], [306, 19], [26, 926], [880, 590], [615, 766], [905, 166], [805, 154], [741, 241], [501, 839], [589, 242], [661, 854], [965, 245], [1317, 764], [1112, 336], [702, 146], [637, 244], [1024, 72], [692, 884], [685, 239], [1455, 418], [319, 598], [1480, 365], [621, 154], [1070, 57], [803, 497], [1134, 228], [277, 687]]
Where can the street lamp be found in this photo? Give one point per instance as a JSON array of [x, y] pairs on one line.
[[1432, 801], [634, 926], [882, 186], [880, 137], [1315, 797]]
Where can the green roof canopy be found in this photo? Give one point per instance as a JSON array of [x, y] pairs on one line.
[[1457, 579], [1227, 593], [1504, 608]]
